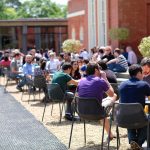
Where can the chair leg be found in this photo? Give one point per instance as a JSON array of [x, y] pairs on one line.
[[60, 110], [148, 136], [44, 111], [118, 138], [109, 133], [84, 133], [71, 133], [6, 85], [52, 109], [103, 134]]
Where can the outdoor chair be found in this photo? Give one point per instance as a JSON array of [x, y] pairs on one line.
[[9, 77], [88, 109], [56, 95], [130, 116], [39, 82]]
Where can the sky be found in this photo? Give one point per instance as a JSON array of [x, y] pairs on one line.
[[63, 2]]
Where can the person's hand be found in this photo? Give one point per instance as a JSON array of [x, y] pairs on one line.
[[103, 75]]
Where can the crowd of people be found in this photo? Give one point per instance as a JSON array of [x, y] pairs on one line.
[[88, 74]]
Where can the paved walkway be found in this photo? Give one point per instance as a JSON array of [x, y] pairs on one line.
[[19, 130]]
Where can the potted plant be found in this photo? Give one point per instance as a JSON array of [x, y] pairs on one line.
[[71, 45], [120, 34], [144, 46]]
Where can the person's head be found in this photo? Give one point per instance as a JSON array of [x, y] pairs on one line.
[[67, 67], [42, 64], [128, 48], [51, 55], [28, 59], [6, 58], [75, 65], [17, 55], [107, 50], [117, 52], [32, 52], [145, 63], [135, 70], [61, 56], [103, 65], [93, 69], [67, 57]]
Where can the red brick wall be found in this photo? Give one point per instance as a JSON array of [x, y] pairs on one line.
[[78, 21]]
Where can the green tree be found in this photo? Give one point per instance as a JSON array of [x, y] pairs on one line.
[[41, 9]]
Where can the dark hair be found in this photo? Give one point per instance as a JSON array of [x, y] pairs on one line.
[[103, 65], [134, 70], [6, 58], [90, 70], [117, 51], [42, 64], [86, 61], [66, 66], [145, 61], [17, 54]]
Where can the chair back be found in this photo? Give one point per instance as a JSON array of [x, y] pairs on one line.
[[89, 108], [55, 92], [129, 115], [40, 82]]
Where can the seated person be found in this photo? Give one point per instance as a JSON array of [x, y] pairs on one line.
[[28, 72], [63, 78], [107, 56], [135, 90], [119, 63], [94, 85], [111, 77], [145, 63]]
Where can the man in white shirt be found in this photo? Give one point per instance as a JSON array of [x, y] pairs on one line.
[[132, 58], [53, 64]]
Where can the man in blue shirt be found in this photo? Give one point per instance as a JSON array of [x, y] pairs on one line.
[[28, 71], [135, 90]]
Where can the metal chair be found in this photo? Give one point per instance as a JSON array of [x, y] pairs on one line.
[[38, 82], [88, 109], [9, 76], [57, 96], [130, 116]]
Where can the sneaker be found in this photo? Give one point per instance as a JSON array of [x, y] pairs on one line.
[[19, 88], [135, 146]]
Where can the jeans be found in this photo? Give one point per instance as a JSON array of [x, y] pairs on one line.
[[25, 81], [116, 67], [137, 135], [69, 98]]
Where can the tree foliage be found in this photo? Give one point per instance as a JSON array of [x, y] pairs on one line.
[[144, 46], [13, 9]]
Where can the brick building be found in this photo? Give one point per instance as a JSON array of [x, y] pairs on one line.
[[91, 20]]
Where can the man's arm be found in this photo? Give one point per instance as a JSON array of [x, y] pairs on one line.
[[74, 82]]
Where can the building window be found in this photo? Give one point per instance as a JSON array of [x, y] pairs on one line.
[[81, 34], [73, 33]]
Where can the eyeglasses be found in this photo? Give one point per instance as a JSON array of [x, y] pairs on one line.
[[75, 64]]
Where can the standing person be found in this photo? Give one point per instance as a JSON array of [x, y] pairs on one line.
[[132, 58], [63, 78], [145, 63], [95, 86], [135, 90]]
